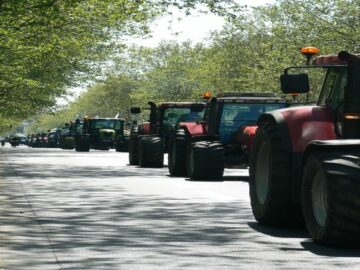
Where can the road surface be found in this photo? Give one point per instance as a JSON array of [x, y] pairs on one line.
[[66, 210]]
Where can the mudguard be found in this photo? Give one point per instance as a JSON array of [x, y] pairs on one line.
[[193, 129], [144, 128], [298, 127], [301, 125], [307, 124], [329, 146]]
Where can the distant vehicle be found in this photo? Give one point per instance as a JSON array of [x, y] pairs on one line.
[[22, 140], [149, 140], [14, 141], [101, 134], [40, 140], [31, 140], [53, 138], [201, 150]]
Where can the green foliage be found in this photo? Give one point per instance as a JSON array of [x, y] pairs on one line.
[[107, 98], [171, 77]]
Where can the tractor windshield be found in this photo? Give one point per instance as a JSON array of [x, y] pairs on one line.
[[173, 116], [106, 124], [235, 115]]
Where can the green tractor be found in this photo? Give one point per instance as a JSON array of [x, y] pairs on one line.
[[101, 134]]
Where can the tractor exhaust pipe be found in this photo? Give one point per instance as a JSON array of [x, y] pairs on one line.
[[153, 116], [351, 119]]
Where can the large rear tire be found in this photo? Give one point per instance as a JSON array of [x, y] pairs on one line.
[[133, 147], [270, 179], [82, 144], [68, 143], [122, 147], [330, 197], [177, 154], [205, 160], [151, 152]]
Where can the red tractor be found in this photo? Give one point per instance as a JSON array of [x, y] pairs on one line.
[[149, 141], [307, 158], [201, 150]]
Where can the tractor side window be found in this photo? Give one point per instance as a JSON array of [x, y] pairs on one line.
[[337, 94], [333, 86], [173, 116], [235, 115]]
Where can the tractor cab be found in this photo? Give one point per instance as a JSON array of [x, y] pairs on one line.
[[230, 112], [340, 89]]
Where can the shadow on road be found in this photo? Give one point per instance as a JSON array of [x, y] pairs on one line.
[[96, 224], [309, 245], [93, 222], [91, 229], [236, 178], [283, 232], [330, 251]]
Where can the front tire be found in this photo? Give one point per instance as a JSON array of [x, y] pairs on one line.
[[330, 198], [177, 154], [151, 152], [122, 147], [205, 160], [133, 147], [82, 144], [270, 178]]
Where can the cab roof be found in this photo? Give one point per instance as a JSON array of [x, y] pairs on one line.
[[120, 119], [250, 98], [331, 59], [179, 104]]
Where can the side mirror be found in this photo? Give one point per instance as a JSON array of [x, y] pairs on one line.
[[295, 83], [135, 110]]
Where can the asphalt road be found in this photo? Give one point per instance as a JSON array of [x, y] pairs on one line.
[[65, 210]]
